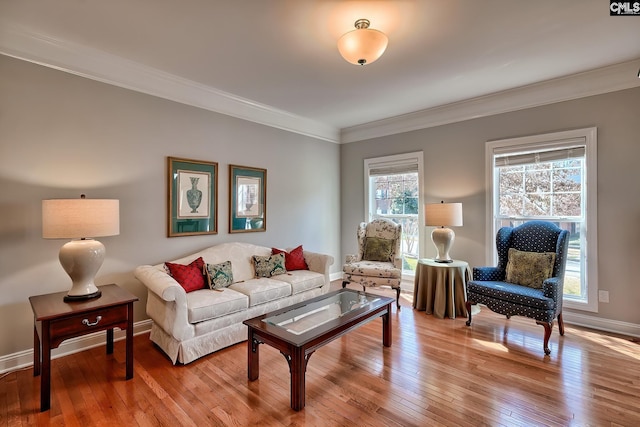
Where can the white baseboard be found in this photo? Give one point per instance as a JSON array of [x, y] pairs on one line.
[[24, 359], [615, 326], [335, 276]]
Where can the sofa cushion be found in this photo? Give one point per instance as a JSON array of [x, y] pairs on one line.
[[529, 268], [263, 289], [190, 276], [219, 275], [293, 260], [268, 266], [208, 304], [302, 280], [377, 249]]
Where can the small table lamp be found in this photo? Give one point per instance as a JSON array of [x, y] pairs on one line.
[[443, 215], [81, 219]]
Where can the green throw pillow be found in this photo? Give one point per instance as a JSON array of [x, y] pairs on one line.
[[377, 249], [219, 275], [267, 266], [529, 268]]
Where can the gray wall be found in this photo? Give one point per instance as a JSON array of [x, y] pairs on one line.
[[454, 168], [63, 135]]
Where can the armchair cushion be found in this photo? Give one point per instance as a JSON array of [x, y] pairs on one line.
[[378, 249], [510, 293], [372, 269], [529, 268]]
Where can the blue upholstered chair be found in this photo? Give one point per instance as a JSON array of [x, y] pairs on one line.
[[542, 298]]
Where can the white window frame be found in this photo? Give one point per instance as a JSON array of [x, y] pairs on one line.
[[391, 161], [588, 136]]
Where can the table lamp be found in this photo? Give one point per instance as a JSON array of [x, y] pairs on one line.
[[80, 220], [443, 215]]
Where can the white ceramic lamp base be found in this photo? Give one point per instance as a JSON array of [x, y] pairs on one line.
[[443, 240], [82, 259]]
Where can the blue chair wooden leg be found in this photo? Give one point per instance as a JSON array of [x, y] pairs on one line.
[[548, 326]]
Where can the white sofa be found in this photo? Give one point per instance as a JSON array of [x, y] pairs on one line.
[[187, 326]]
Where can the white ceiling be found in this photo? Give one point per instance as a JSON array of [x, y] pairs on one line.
[[280, 56]]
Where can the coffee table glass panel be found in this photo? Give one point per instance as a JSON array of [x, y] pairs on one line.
[[318, 313], [299, 330]]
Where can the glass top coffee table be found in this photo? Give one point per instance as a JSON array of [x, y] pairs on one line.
[[299, 330]]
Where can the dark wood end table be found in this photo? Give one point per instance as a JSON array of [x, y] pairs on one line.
[[56, 320]]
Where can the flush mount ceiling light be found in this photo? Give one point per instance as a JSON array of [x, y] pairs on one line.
[[362, 45]]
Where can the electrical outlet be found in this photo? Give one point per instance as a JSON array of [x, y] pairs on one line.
[[603, 296]]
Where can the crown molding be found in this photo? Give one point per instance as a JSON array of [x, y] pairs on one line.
[[97, 65], [595, 82], [94, 64]]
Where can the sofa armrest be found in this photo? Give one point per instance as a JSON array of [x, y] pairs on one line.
[[160, 283], [167, 307], [488, 273], [319, 263]]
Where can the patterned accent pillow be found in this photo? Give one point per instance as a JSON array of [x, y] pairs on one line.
[[267, 266], [293, 260], [529, 268], [377, 249], [190, 277], [219, 276]]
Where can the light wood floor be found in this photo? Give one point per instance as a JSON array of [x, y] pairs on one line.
[[437, 372]]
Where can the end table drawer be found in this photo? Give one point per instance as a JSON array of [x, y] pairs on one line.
[[88, 322]]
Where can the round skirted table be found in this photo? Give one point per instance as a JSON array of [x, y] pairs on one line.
[[441, 288]]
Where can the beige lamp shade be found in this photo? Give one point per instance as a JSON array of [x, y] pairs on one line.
[[443, 215], [362, 45], [78, 218], [81, 219]]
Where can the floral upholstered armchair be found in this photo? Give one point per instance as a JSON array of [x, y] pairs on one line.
[[529, 278], [379, 261]]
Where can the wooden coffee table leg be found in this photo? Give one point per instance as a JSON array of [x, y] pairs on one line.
[[253, 357], [298, 367], [386, 327]]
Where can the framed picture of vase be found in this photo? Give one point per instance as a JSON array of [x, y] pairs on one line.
[[193, 197], [247, 199]]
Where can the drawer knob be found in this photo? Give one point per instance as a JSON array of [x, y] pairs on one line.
[[87, 323]]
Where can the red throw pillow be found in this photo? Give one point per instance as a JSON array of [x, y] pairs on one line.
[[190, 276], [293, 260]]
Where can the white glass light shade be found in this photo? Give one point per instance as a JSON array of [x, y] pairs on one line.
[[443, 215], [81, 219], [362, 45]]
